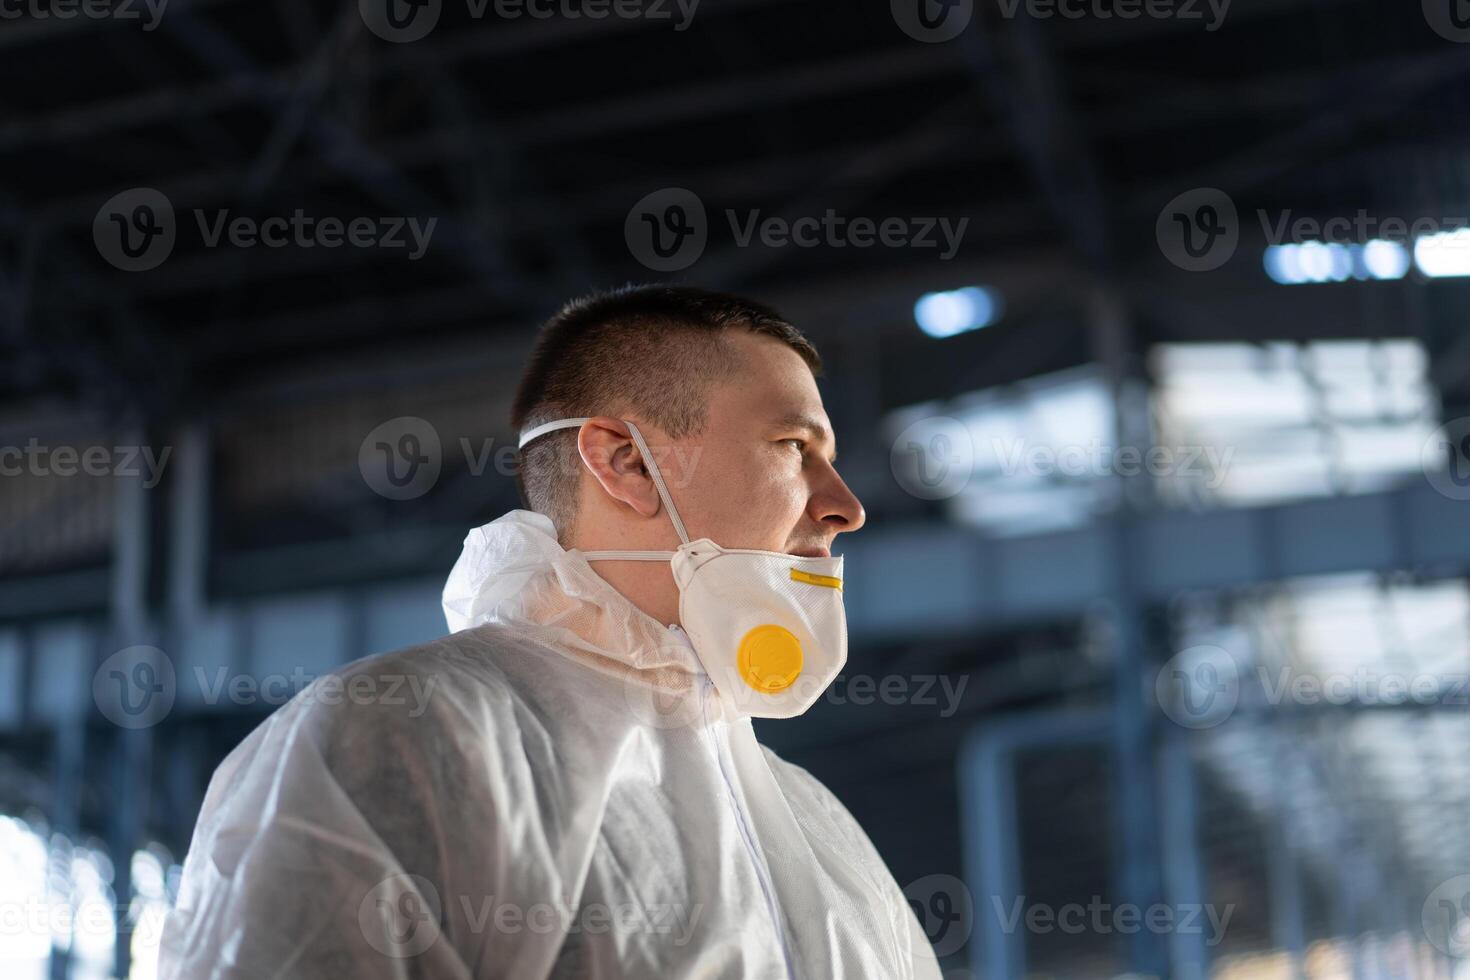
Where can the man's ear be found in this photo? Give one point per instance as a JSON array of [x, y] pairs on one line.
[[612, 457]]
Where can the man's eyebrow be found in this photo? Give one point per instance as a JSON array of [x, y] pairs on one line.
[[799, 420]]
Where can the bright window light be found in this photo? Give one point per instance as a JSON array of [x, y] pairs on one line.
[[1298, 421], [1295, 263], [1444, 254], [1385, 260], [956, 311]]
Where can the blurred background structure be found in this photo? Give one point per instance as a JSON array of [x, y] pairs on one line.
[[1147, 357]]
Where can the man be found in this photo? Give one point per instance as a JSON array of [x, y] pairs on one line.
[[581, 793]]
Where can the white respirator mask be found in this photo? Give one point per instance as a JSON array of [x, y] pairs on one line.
[[769, 628]]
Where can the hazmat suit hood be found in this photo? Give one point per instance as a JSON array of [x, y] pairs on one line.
[[514, 572]]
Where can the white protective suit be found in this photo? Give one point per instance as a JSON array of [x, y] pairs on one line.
[[549, 791]]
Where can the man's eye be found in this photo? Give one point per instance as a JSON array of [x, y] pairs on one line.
[[800, 443]]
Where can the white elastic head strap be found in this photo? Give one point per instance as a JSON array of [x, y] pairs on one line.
[[658, 482]]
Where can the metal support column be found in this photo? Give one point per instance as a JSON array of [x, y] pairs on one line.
[[988, 815], [1283, 885], [132, 747], [1138, 873], [1184, 873], [68, 761]]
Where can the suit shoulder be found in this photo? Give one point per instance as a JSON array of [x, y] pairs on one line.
[[796, 780], [415, 690]]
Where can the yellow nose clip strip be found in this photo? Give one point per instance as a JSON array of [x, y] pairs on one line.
[[830, 581]]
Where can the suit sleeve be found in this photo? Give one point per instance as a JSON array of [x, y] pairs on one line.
[[324, 848]]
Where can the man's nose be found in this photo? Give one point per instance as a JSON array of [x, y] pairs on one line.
[[834, 505]]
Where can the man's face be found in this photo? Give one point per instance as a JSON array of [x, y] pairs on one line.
[[764, 477]]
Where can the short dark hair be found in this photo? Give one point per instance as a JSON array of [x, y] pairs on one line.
[[649, 351]]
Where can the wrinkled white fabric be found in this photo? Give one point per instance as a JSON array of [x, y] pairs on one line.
[[549, 791]]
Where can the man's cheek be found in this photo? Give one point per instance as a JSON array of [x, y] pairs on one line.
[[764, 511], [787, 510]]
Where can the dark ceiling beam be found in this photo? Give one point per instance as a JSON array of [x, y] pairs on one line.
[[1092, 32], [1156, 112], [1015, 69], [413, 59], [1339, 115], [338, 145], [844, 189], [105, 369], [240, 86], [19, 33], [818, 298], [498, 175], [557, 216]]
